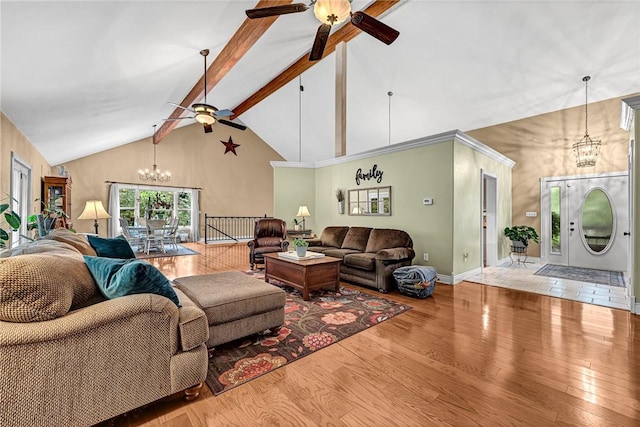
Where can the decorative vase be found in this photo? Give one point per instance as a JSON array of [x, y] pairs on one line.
[[301, 251], [341, 207], [296, 227]]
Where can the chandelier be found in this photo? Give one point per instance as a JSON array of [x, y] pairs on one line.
[[155, 174], [586, 150]]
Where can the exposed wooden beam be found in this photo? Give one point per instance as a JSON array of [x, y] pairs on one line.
[[244, 38], [344, 34]]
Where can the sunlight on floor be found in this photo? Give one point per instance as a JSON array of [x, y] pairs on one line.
[[521, 277]]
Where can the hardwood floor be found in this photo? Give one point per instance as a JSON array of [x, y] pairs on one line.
[[471, 355]]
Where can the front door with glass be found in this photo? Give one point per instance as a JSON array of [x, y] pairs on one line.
[[585, 221]]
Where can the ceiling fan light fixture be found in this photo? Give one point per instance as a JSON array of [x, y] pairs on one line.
[[204, 113], [332, 12]]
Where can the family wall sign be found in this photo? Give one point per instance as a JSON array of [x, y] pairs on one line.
[[374, 173]]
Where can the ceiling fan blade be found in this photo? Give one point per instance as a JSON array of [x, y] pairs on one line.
[[232, 124], [180, 106], [265, 12], [178, 118], [322, 36], [207, 128], [373, 27], [223, 113]]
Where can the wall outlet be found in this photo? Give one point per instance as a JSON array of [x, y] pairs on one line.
[[425, 257], [465, 256], [531, 214]]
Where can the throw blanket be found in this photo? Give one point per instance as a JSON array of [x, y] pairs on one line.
[[414, 274], [415, 280]]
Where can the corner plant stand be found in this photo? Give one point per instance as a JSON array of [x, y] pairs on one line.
[[519, 251]]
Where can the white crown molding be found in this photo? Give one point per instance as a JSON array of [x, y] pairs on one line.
[[298, 165], [456, 135], [628, 106]]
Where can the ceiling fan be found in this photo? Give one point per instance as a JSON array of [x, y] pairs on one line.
[[205, 113], [329, 13]]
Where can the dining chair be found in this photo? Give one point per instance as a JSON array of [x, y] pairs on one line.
[[132, 237], [171, 235], [155, 235]]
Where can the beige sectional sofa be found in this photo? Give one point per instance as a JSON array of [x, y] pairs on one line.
[[369, 255], [70, 357]]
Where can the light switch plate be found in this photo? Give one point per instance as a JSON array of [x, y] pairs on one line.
[[427, 201], [531, 214]]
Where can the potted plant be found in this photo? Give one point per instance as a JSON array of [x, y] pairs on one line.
[[520, 236], [296, 224], [340, 197], [301, 246], [11, 219], [47, 220]]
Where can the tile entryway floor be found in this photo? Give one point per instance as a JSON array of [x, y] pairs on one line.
[[521, 277]]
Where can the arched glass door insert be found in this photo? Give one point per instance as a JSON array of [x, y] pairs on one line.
[[598, 221]]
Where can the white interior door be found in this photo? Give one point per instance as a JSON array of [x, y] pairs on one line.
[[20, 192], [585, 221]]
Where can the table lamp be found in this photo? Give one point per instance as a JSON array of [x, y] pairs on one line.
[[94, 210], [303, 212]]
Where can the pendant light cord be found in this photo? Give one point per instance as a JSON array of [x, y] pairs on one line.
[[586, 79], [301, 89], [390, 94]]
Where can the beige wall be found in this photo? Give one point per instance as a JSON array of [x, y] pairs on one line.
[[541, 147], [13, 141], [231, 185]]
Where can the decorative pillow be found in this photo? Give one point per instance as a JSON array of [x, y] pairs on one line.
[[356, 238], [39, 287], [118, 247], [333, 236], [386, 238], [78, 241], [120, 277]]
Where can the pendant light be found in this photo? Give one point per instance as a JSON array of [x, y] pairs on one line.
[[155, 174], [587, 149]]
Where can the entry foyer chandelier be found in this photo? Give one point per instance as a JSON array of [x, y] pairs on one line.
[[155, 174], [586, 150]]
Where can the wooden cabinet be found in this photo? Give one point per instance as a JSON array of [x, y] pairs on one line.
[[56, 194]]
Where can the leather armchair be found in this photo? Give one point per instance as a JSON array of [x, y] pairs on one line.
[[270, 235]]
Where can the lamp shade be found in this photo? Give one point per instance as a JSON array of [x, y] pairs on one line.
[[93, 209], [303, 211]]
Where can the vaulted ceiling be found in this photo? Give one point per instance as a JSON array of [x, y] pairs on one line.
[[81, 77]]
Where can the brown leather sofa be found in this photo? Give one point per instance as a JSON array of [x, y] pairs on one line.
[[270, 235], [369, 255]]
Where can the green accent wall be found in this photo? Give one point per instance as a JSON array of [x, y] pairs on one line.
[[447, 170]]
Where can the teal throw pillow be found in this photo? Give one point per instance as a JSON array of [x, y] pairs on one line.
[[120, 277], [118, 247]]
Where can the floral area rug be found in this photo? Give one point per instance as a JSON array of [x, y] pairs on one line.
[[325, 319]]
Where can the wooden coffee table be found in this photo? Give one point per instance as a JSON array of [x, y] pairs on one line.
[[305, 275]]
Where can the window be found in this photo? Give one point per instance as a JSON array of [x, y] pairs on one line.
[[136, 202]]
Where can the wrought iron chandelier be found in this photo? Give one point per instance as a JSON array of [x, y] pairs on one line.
[[587, 149], [155, 174]]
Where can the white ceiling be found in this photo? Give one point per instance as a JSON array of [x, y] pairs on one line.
[[81, 77]]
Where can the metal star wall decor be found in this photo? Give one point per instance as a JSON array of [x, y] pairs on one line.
[[230, 146]]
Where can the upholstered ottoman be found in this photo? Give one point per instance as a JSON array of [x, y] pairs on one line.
[[236, 305]]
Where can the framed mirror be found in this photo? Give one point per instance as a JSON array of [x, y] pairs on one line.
[[370, 201]]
